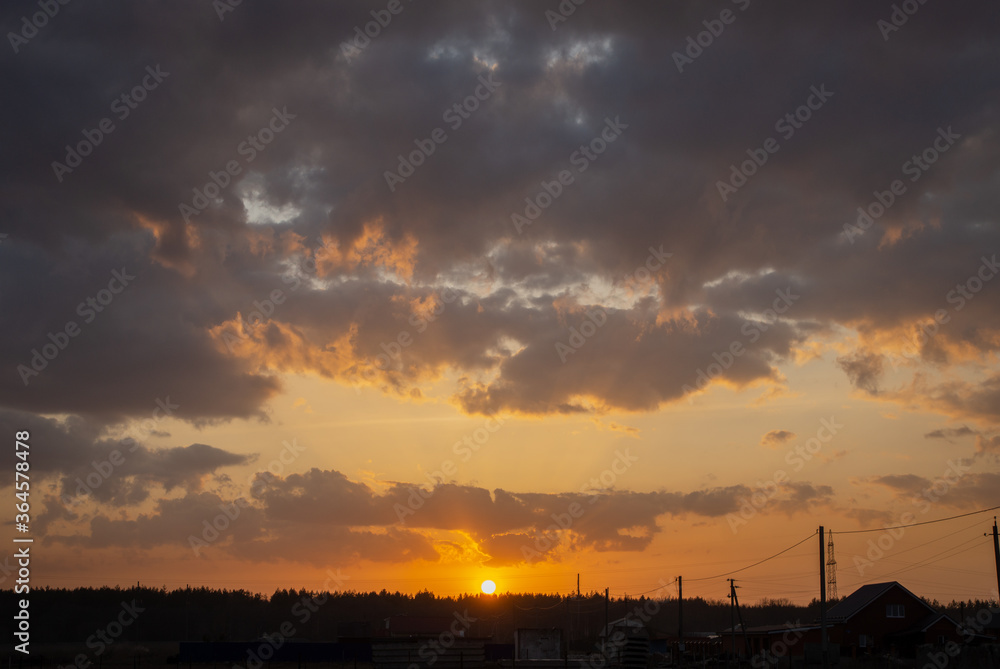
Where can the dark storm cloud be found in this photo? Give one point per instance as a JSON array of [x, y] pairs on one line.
[[349, 118], [247, 533], [87, 463], [397, 524], [83, 348]]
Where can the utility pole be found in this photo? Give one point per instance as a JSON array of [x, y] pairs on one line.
[[822, 600], [680, 620], [743, 625], [578, 585], [732, 616], [606, 623], [513, 621], [569, 625], [996, 552], [566, 640]]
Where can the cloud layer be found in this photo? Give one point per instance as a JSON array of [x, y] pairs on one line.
[[388, 256]]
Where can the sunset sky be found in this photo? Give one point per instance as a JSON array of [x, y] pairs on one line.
[[432, 293]]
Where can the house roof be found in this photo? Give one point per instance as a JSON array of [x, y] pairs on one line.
[[777, 629], [933, 618], [415, 625], [858, 600], [628, 623]]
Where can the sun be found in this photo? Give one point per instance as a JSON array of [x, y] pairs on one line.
[[489, 587]]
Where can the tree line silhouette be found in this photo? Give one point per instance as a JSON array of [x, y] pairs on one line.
[[206, 614]]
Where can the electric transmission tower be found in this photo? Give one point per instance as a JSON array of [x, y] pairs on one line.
[[831, 570]]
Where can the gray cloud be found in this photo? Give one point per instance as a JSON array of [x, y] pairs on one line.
[[864, 369], [510, 528], [950, 432], [78, 454], [449, 224], [775, 438]]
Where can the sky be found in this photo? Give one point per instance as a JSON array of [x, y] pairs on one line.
[[424, 294]]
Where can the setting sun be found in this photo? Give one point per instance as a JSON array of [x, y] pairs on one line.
[[489, 587]]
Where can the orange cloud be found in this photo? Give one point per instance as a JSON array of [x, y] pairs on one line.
[[371, 248]]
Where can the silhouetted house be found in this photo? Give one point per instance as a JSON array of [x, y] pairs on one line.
[[772, 641], [626, 642], [538, 644], [887, 618], [427, 642], [696, 647], [880, 618], [419, 626]]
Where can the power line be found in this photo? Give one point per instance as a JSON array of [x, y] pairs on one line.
[[639, 594], [540, 608], [735, 571], [937, 557], [926, 522], [928, 543], [951, 552]]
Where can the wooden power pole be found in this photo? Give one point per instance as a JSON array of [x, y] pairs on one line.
[[996, 552], [607, 632], [732, 618], [680, 621], [822, 600]]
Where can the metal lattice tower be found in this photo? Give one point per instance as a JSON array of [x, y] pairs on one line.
[[831, 570]]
